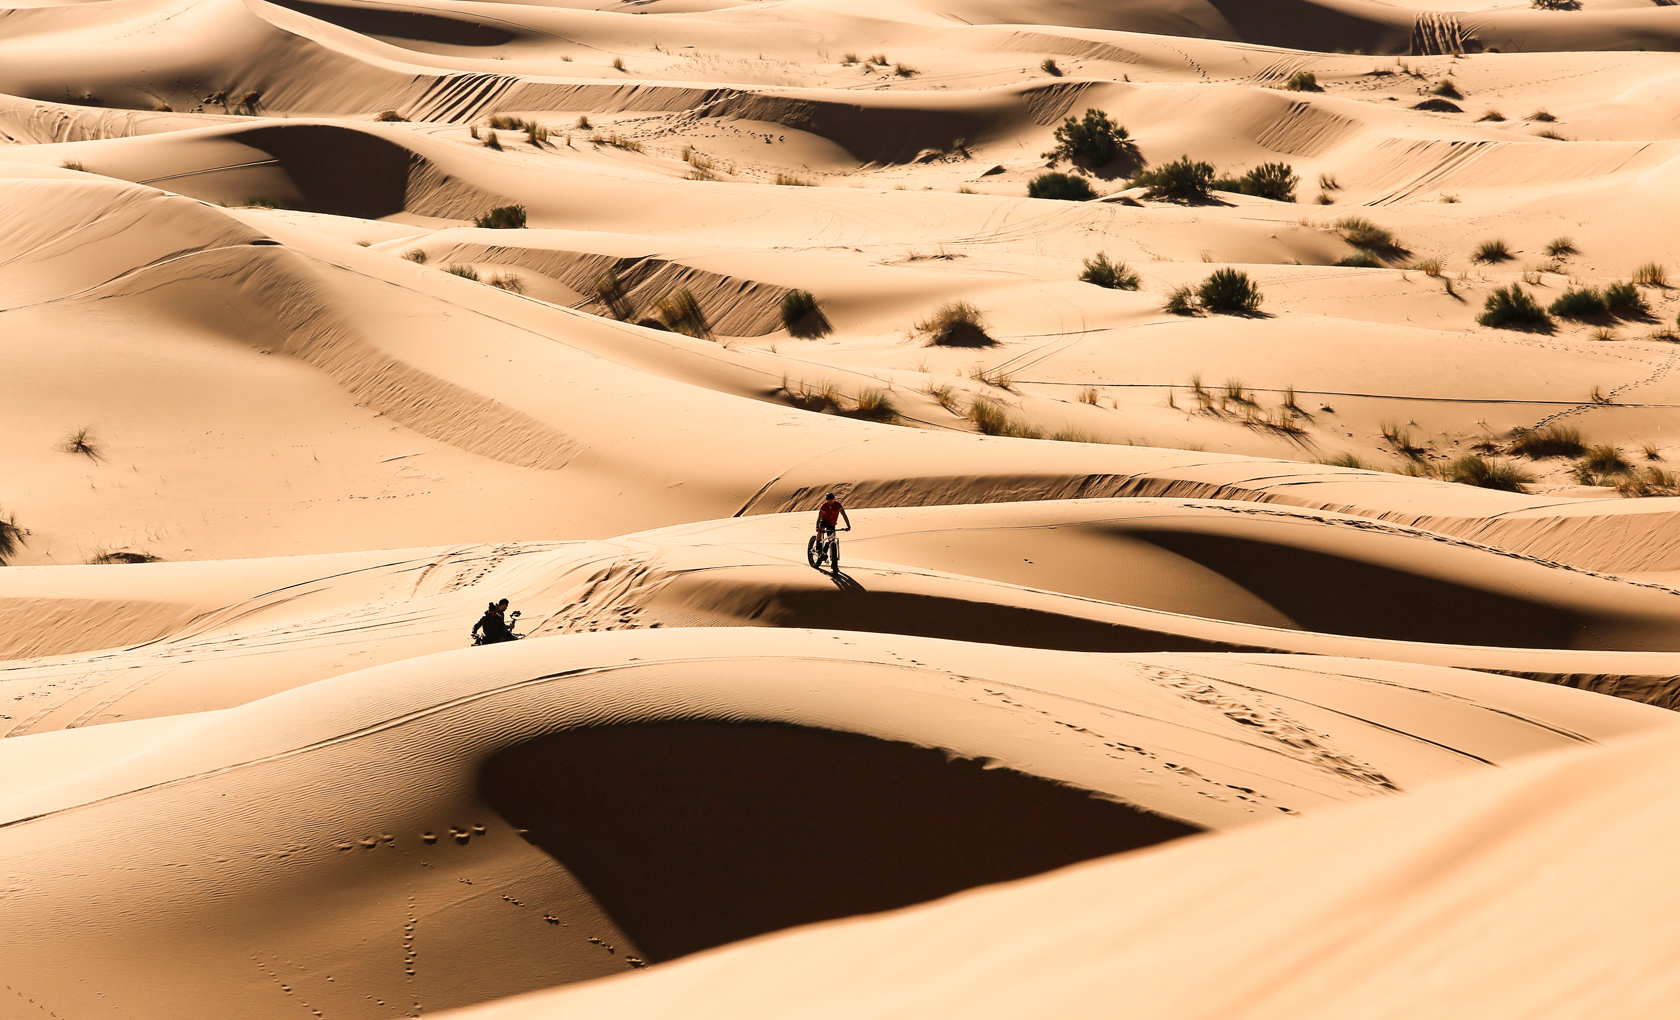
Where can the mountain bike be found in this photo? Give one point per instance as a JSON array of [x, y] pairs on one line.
[[824, 545]]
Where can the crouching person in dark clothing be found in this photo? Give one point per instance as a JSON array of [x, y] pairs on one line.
[[492, 627]]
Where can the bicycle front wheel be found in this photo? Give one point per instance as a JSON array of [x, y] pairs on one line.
[[814, 552]]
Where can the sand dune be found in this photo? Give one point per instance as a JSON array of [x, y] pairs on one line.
[[325, 323]]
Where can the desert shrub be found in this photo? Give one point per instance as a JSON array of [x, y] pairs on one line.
[[1579, 303], [1446, 88], [1368, 237], [464, 272], [81, 442], [1653, 481], [1400, 437], [1276, 181], [905, 71], [1113, 275], [879, 60], [1428, 267], [1624, 301], [802, 317], [1651, 274], [1542, 116], [11, 537], [1065, 187], [1512, 308], [492, 142], [1049, 67], [1347, 460], [1551, 441], [617, 141], [1492, 251], [875, 405], [1093, 141], [1183, 180], [503, 217], [583, 123], [1360, 260], [535, 133], [1561, 247], [609, 290], [1553, 135], [1599, 463], [989, 417], [1089, 395], [416, 255], [956, 324], [390, 117], [1181, 301], [789, 180], [71, 164], [1438, 105], [1229, 292], [1303, 81], [618, 63], [508, 282], [1555, 5], [681, 313], [503, 122], [1493, 115], [122, 556], [1473, 469]]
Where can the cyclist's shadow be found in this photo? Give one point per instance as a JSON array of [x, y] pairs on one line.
[[844, 581]]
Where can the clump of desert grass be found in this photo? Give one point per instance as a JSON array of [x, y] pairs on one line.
[[1651, 274], [955, 324], [102, 556], [503, 217], [391, 117], [1112, 275], [1183, 180], [1601, 465], [991, 418], [12, 537], [1548, 441], [465, 272], [617, 141], [1181, 301], [1303, 81], [1492, 251], [1488, 473], [1229, 292], [416, 255], [1399, 437], [1048, 66], [82, 443], [508, 282], [1512, 308], [1561, 248], [1649, 481], [610, 292], [1060, 187], [1379, 242], [802, 317], [681, 313], [792, 181]]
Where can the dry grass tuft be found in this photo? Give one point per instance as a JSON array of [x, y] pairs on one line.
[[955, 324], [82, 442], [1551, 441]]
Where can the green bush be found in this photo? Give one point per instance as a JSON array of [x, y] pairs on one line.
[[681, 313], [1229, 292], [956, 324], [1183, 180], [802, 317], [1092, 142], [1113, 275], [1270, 180], [503, 217], [1512, 308], [1182, 301], [1580, 303], [1370, 238], [1624, 301], [1066, 187]]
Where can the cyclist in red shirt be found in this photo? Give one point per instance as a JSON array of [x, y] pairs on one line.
[[830, 513]]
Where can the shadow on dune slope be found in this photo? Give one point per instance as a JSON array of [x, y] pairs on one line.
[[417, 26], [695, 834]]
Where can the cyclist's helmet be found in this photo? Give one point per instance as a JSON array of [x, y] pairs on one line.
[[830, 496]]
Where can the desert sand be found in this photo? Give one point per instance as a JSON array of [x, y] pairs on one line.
[[1313, 653]]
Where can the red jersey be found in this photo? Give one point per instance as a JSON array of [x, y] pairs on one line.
[[829, 514]]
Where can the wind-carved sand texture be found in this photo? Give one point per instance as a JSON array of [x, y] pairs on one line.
[[1300, 643]]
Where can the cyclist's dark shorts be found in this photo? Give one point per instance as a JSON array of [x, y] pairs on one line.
[[825, 528]]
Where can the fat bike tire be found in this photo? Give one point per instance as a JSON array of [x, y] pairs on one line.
[[814, 552]]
